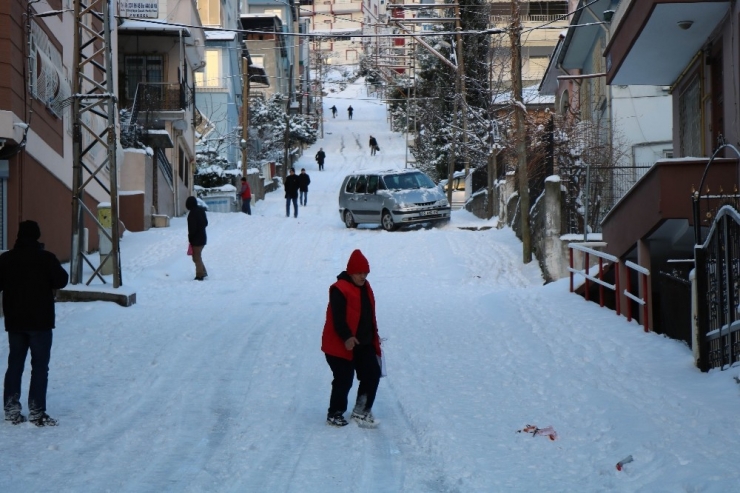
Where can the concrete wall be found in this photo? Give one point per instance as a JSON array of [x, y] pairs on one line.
[[136, 176]]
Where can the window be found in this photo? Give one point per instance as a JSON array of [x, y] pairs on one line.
[[689, 119], [210, 12], [211, 75], [142, 69], [47, 82], [351, 185], [372, 184], [361, 186]]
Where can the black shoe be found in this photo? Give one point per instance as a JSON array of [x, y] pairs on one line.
[[44, 420], [16, 419], [199, 278], [336, 420]]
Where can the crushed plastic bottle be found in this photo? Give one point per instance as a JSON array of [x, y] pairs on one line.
[[624, 461]]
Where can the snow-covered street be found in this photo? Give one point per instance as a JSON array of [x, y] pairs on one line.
[[221, 385]]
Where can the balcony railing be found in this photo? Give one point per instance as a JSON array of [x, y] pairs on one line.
[[506, 19], [164, 166], [162, 96], [152, 97]]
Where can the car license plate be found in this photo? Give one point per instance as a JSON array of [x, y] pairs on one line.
[[428, 213]]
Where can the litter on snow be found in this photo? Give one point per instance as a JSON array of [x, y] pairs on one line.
[[547, 431]]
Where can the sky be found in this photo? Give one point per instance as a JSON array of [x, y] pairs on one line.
[[221, 386]]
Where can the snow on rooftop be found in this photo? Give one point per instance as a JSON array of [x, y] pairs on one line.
[[154, 25]]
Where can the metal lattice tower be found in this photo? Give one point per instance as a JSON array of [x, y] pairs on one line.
[[94, 133]]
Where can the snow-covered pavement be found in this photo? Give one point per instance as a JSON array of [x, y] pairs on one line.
[[221, 386]]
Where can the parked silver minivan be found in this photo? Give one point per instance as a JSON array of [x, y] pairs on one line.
[[391, 198]]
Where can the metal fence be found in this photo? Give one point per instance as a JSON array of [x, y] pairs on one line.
[[590, 192], [718, 287]]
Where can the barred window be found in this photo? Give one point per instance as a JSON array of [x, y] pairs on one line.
[[689, 119]]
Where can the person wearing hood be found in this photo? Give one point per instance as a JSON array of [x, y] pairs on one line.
[[351, 343], [292, 184], [197, 222], [29, 277]]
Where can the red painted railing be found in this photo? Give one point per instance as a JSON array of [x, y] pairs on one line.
[[642, 274]]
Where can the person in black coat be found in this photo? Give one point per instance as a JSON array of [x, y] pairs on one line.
[[350, 110], [320, 156], [29, 276], [303, 182], [197, 222], [291, 193], [333, 111]]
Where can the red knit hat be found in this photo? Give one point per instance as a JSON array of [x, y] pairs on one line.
[[357, 263]]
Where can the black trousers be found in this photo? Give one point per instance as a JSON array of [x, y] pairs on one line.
[[39, 342], [365, 364]]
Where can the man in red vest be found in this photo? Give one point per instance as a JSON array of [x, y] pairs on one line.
[[351, 343]]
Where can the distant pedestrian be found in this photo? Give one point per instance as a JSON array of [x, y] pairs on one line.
[[291, 193], [197, 223], [303, 182], [29, 276], [350, 110], [320, 156], [351, 343], [246, 196], [373, 146], [333, 111]]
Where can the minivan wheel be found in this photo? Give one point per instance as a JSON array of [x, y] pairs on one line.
[[349, 221], [387, 221]]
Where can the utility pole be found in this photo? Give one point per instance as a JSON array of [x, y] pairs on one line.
[[320, 64], [463, 90], [93, 101], [245, 111], [515, 34], [286, 140]]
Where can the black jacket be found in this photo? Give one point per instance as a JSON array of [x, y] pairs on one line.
[[291, 187], [320, 157], [303, 182], [373, 142], [28, 277], [197, 222]]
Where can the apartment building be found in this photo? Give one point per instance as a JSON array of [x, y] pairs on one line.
[[218, 85], [338, 22], [159, 52], [542, 23], [36, 40]]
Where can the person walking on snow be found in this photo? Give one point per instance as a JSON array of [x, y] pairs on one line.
[[246, 196], [351, 343], [333, 111], [373, 145], [320, 156], [291, 193], [303, 182], [197, 223], [29, 275], [350, 110]]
